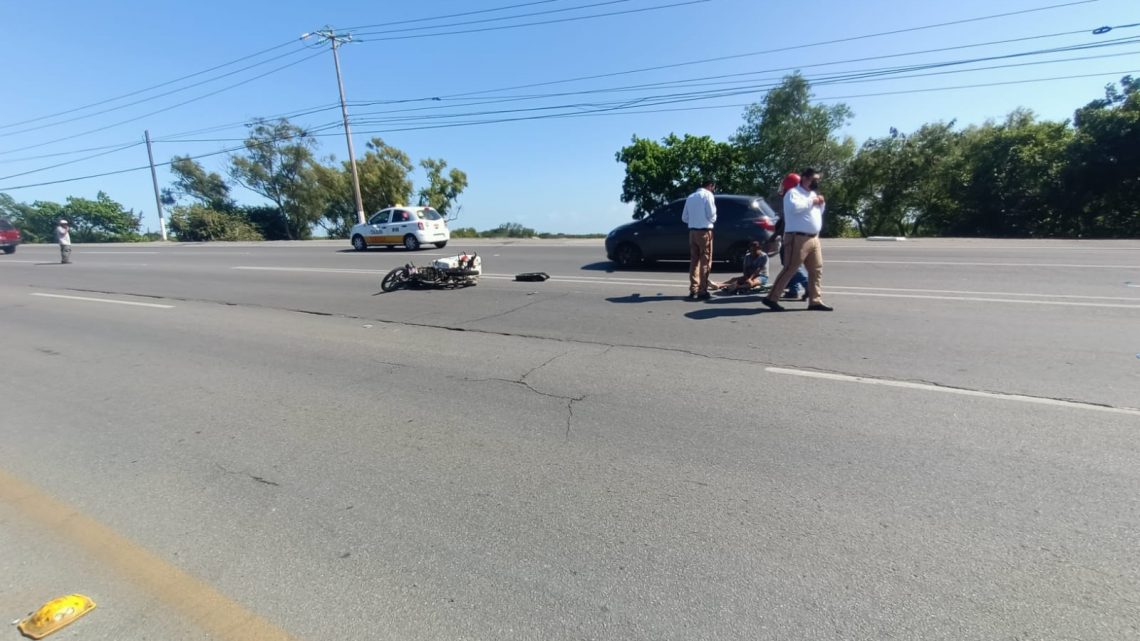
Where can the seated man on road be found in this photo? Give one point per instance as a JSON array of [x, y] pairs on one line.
[[755, 271]]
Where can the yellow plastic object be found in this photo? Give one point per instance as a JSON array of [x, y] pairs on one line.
[[55, 614]]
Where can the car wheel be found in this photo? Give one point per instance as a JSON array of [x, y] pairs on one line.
[[410, 243], [441, 245], [628, 255], [11, 249], [358, 243]]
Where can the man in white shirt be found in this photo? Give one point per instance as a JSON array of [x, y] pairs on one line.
[[803, 220], [700, 215], [63, 237]]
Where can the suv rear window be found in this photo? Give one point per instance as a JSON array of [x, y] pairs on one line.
[[5, 225]]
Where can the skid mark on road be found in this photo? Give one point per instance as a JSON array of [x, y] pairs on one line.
[[198, 601]]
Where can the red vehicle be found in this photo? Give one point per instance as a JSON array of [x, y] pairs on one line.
[[9, 236]]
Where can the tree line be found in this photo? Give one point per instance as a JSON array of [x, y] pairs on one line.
[[278, 162], [1020, 177]]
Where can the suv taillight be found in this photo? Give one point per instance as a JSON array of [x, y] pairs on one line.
[[766, 223]]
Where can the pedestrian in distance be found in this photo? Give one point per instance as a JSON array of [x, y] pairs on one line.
[[700, 215], [63, 237], [803, 221]]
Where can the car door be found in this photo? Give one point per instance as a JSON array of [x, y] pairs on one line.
[[402, 223], [376, 226], [664, 235]]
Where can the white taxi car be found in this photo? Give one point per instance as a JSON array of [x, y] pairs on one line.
[[411, 227]]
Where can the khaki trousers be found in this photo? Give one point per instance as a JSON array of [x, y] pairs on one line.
[[806, 251], [700, 260]]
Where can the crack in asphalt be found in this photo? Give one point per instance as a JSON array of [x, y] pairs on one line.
[[255, 478], [582, 341], [516, 309]]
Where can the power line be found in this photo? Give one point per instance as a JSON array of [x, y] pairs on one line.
[[860, 76], [168, 108], [777, 50], [596, 112], [507, 99], [543, 22], [452, 15], [500, 18], [150, 98], [152, 87], [72, 162]]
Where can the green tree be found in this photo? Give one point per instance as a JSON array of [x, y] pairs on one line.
[[385, 180], [510, 230], [278, 164], [659, 172], [192, 181], [1010, 181], [198, 223], [441, 190], [898, 184], [100, 220], [786, 132], [1102, 176]]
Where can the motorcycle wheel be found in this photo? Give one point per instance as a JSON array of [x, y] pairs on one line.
[[395, 279]]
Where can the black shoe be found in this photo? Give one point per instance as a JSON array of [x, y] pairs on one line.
[[704, 296], [691, 296], [772, 305], [820, 307], [804, 297]]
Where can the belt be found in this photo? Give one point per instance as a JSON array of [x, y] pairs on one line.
[[800, 233], [700, 229]]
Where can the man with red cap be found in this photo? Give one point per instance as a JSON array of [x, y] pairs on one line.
[[803, 221], [800, 280]]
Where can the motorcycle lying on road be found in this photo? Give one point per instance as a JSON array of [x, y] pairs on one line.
[[445, 273]]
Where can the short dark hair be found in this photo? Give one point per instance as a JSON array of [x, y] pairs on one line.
[[808, 173], [708, 181]]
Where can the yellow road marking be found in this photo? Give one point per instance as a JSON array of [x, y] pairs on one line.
[[198, 601]]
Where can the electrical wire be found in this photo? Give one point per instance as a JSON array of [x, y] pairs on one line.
[[538, 23], [167, 108], [499, 18], [783, 49], [154, 97], [150, 88], [452, 15]]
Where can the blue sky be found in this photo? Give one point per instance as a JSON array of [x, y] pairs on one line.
[[551, 174]]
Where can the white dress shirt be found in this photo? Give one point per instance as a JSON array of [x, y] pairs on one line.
[[801, 214], [62, 235], [700, 210]]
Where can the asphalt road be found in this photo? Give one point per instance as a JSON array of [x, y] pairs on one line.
[[253, 443]]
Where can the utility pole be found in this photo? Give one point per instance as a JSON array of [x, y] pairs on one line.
[[154, 181], [336, 40]]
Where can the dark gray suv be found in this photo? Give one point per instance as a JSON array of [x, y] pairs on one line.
[[662, 236]]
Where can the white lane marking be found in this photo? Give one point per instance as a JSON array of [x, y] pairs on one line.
[[952, 390], [967, 292], [316, 270], [873, 261], [12, 260], [103, 300], [978, 299], [131, 253]]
